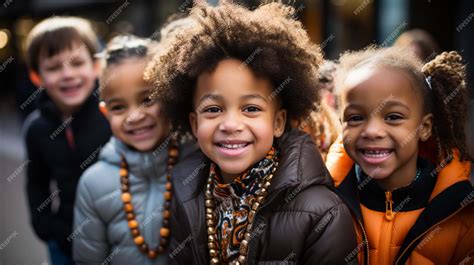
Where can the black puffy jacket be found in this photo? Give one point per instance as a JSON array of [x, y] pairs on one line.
[[302, 221], [52, 159]]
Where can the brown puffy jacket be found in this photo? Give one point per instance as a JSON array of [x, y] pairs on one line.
[[429, 223], [302, 221]]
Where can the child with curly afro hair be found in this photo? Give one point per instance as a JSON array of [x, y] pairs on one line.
[[257, 191], [403, 126]]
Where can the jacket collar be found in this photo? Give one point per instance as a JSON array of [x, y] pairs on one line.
[[49, 109], [412, 197], [449, 172], [452, 187], [141, 164], [300, 166]]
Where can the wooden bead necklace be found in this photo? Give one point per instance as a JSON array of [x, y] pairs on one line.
[[130, 213], [211, 220]]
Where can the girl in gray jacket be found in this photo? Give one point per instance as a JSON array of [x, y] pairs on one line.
[[121, 211]]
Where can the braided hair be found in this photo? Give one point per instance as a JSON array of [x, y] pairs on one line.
[[124, 47], [446, 77]]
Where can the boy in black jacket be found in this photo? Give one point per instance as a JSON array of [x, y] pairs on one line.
[[65, 135]]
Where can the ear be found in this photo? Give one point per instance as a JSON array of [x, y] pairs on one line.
[[279, 123], [193, 123], [35, 78], [103, 109], [426, 127]]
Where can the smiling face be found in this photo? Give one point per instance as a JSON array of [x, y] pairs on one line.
[[235, 118], [383, 121], [134, 118], [68, 77]]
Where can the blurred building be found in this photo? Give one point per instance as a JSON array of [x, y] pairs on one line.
[[337, 25]]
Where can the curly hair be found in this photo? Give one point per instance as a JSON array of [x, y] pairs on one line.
[[268, 40], [322, 124], [441, 83]]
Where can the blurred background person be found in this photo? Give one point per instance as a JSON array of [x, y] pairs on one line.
[[420, 41]]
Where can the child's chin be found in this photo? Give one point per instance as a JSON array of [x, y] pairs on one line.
[[375, 172], [232, 169], [143, 146], [75, 102]]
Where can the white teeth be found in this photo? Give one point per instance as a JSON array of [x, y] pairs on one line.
[[139, 131], [377, 153], [233, 146], [72, 85]]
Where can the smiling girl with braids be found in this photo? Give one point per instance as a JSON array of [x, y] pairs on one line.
[[407, 209], [122, 204]]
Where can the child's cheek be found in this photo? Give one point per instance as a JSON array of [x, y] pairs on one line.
[[48, 80], [205, 131], [116, 124], [349, 142]]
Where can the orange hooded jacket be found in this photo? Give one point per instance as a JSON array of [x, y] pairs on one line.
[[439, 231]]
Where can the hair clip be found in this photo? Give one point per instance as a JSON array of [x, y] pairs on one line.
[[101, 55], [428, 81]]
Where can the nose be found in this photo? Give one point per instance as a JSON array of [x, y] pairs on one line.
[[67, 71], [231, 123], [135, 116], [374, 129]]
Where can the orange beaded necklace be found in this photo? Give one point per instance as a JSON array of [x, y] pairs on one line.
[[130, 213]]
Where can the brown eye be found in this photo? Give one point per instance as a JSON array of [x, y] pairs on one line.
[[117, 108], [252, 109], [212, 110], [53, 68], [355, 119], [394, 117], [148, 101], [77, 63]]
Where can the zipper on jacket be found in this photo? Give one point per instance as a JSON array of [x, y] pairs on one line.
[[388, 206], [366, 241], [386, 231]]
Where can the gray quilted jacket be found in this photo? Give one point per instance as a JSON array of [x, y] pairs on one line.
[[101, 234]]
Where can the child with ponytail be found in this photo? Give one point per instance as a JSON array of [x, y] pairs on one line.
[[410, 205]]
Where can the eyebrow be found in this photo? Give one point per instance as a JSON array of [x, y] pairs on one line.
[[393, 103], [112, 100], [141, 93], [211, 96], [145, 92], [252, 96], [218, 97], [380, 106]]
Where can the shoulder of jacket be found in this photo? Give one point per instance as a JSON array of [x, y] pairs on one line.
[[31, 122], [315, 199], [99, 179]]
